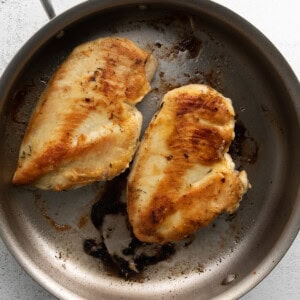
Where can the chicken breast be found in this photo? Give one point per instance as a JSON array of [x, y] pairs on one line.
[[182, 177], [85, 126]]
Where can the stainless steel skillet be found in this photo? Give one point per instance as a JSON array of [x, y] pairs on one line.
[[239, 63]]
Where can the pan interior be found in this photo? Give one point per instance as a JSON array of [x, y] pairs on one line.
[[50, 227]]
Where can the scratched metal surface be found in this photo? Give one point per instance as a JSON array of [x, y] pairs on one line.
[[64, 260]]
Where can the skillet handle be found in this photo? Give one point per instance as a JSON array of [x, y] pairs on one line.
[[47, 5]]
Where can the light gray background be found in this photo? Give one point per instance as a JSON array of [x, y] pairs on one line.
[[278, 20]]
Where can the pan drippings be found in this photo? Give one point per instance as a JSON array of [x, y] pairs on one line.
[[244, 148], [121, 253]]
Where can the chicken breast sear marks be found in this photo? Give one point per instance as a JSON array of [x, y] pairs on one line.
[[85, 126], [182, 176]]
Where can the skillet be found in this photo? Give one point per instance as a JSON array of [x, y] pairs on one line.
[[229, 55]]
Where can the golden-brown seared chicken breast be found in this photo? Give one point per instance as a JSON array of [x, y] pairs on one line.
[[182, 177], [85, 126]]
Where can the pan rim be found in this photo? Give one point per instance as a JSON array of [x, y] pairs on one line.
[[86, 9]]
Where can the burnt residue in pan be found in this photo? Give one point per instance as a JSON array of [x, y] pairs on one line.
[[271, 117], [124, 266], [43, 210], [211, 77], [121, 253], [184, 41], [109, 202], [191, 44], [83, 221], [243, 149], [18, 100], [186, 50]]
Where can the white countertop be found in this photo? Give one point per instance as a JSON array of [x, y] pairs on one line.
[[278, 20]]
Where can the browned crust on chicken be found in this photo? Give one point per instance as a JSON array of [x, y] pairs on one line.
[[105, 77], [196, 125]]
